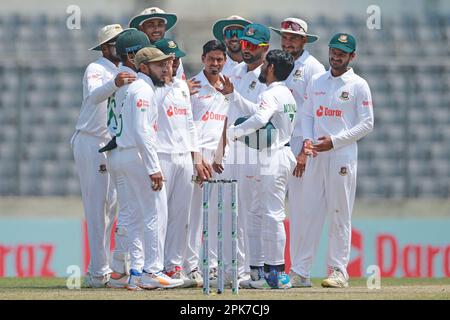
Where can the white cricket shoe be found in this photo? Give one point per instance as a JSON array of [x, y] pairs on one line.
[[196, 276], [134, 281], [213, 273], [255, 275], [118, 281], [298, 281], [179, 273], [281, 279], [228, 281], [159, 280], [96, 282], [335, 280]]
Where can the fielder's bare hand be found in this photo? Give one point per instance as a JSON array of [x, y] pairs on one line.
[[193, 85], [203, 168], [157, 181], [325, 144], [217, 167], [308, 148], [301, 158], [227, 86], [124, 78]]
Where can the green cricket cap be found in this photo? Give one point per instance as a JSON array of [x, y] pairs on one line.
[[344, 42]]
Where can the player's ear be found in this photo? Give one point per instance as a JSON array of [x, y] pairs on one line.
[[203, 58], [352, 55]]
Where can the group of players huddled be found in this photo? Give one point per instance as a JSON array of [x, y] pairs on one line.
[[275, 120]]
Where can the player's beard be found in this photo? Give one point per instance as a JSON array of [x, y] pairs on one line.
[[233, 47], [157, 82], [295, 53], [113, 55], [339, 67], [251, 58]]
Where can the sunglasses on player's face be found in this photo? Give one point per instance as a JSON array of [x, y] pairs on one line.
[[292, 25], [247, 45], [230, 33]]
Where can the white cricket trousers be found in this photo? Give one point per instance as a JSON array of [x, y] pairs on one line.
[[241, 163], [177, 170], [237, 169], [143, 227], [120, 260], [195, 224], [295, 187], [99, 198], [329, 186], [273, 173]]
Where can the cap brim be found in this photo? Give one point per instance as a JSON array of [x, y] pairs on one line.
[[161, 58], [222, 24], [341, 47], [179, 54], [310, 37], [251, 40], [99, 46], [171, 19]]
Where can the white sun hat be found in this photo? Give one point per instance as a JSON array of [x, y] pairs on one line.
[[296, 26], [106, 34]]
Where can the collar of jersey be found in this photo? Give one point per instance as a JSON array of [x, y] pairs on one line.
[[107, 63], [302, 58], [275, 84], [146, 78], [348, 75], [123, 68], [204, 81]]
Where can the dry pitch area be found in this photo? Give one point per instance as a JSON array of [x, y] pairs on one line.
[[55, 289]]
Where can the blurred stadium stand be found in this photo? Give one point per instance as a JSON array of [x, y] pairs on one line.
[[406, 64]]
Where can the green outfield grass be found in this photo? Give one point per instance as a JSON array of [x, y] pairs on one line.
[[55, 288]]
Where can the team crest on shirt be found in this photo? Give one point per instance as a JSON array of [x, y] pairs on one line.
[[184, 94], [102, 169], [345, 95], [298, 74], [343, 171], [250, 32], [252, 85]]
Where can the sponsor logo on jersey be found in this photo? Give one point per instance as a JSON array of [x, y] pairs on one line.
[[367, 103], [176, 111], [102, 169], [185, 95], [326, 112], [94, 76], [320, 93], [345, 95], [263, 104], [141, 103], [343, 171], [204, 97], [213, 116], [252, 85]]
